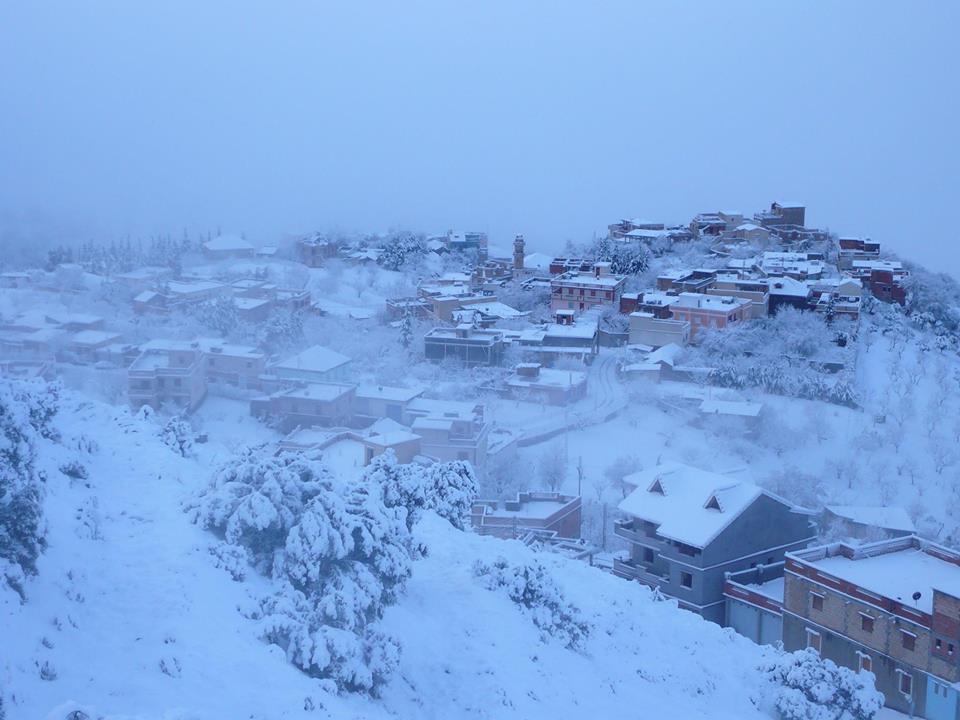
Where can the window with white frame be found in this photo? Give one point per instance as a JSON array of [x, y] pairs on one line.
[[865, 662], [813, 640], [904, 682]]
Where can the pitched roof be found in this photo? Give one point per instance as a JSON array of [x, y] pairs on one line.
[[686, 509]]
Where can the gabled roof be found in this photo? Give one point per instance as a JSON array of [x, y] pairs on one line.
[[695, 505]]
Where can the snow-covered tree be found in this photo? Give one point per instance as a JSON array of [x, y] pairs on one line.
[[254, 500], [406, 331], [531, 586], [552, 469], [220, 315], [808, 688], [449, 488], [178, 436], [26, 410], [344, 561]]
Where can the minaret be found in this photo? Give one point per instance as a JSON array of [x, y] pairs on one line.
[[518, 252]]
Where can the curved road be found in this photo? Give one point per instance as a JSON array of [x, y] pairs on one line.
[[605, 398]]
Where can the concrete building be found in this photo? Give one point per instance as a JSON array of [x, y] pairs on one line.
[[710, 311], [754, 602], [465, 343], [890, 608], [547, 385], [316, 364], [228, 365], [324, 404], [647, 329], [688, 527], [539, 512], [450, 430], [382, 401], [580, 291], [167, 371]]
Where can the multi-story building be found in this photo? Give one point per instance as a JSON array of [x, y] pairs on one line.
[[227, 365], [460, 241], [891, 608], [687, 527], [316, 249], [883, 278], [450, 430], [710, 311], [855, 248], [780, 214], [325, 404], [579, 291], [465, 343], [653, 331], [316, 364], [167, 371], [228, 246]]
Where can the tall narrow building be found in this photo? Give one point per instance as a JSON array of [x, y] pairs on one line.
[[518, 252]]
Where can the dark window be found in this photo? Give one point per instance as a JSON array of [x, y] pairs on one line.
[[686, 579], [866, 623], [950, 648], [813, 640], [816, 601], [686, 549], [908, 640], [906, 683], [866, 662], [176, 382], [939, 643], [647, 555]]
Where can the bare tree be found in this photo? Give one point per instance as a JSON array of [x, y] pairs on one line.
[[619, 469], [552, 469]]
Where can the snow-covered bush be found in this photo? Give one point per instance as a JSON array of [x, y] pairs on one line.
[[26, 411], [345, 560], [532, 587], [255, 499], [809, 688], [340, 554], [178, 436], [449, 488], [400, 248]]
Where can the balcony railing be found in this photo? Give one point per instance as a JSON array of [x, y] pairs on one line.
[[632, 570]]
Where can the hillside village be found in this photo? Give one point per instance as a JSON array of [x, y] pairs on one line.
[[742, 422]]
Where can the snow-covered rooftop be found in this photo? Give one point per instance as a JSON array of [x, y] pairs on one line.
[[225, 243], [897, 575], [318, 391], [689, 505], [316, 358], [385, 392], [890, 518]]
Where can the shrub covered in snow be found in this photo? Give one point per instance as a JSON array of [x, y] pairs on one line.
[[449, 488], [809, 688], [531, 586], [255, 499], [26, 411], [340, 554], [178, 436]]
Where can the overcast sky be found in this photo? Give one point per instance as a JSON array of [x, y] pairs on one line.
[[550, 119]]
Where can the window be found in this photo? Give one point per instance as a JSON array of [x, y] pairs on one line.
[[908, 640], [816, 601], [949, 648], [688, 550], [249, 364], [686, 579], [462, 455], [866, 662], [906, 683], [176, 382], [648, 555], [866, 623], [939, 644], [813, 640]]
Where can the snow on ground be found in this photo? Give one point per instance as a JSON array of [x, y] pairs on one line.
[[135, 621]]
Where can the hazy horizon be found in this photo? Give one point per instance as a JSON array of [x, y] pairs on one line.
[[550, 120]]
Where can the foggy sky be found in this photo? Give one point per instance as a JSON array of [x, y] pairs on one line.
[[547, 118]]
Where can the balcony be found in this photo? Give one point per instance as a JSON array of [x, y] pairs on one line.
[[632, 570], [628, 531]]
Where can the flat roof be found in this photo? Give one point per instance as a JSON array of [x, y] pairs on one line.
[[318, 391], [314, 359], [896, 575]]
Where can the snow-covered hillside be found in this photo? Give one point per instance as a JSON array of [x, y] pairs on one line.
[[128, 616]]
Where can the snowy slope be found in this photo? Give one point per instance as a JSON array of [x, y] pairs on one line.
[[135, 620]]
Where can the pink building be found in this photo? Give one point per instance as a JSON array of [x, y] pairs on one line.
[[709, 311]]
